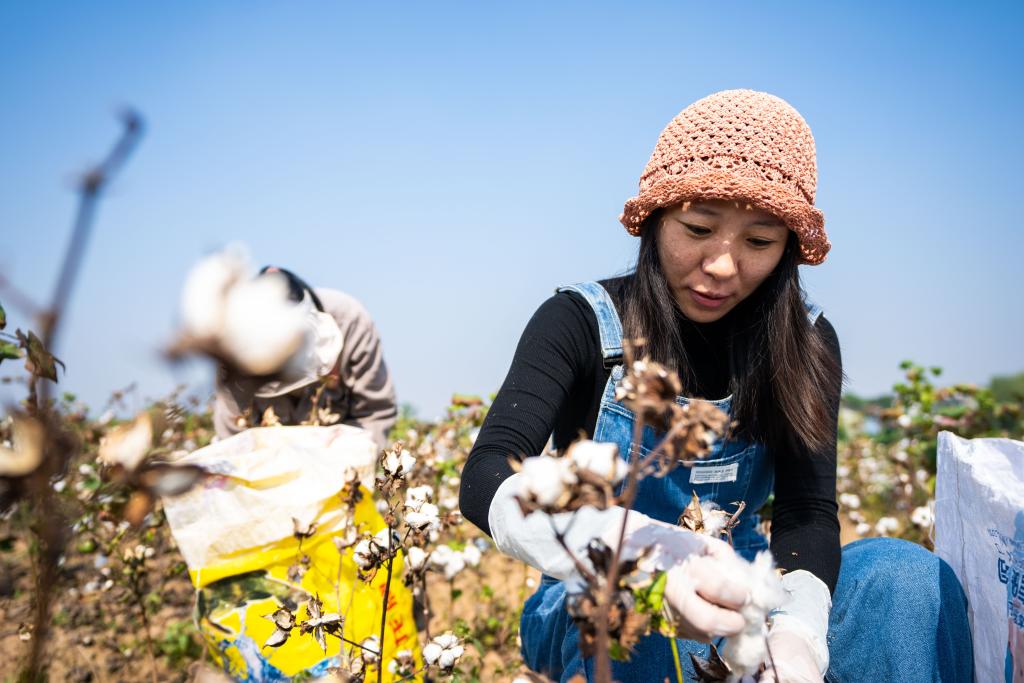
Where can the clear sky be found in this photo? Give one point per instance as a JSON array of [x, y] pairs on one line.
[[450, 164]]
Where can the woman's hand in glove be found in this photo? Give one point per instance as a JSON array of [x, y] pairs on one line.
[[705, 603], [794, 659]]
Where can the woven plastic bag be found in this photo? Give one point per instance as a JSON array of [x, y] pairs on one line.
[[979, 531], [237, 535]]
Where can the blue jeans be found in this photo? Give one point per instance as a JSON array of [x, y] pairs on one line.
[[898, 614]]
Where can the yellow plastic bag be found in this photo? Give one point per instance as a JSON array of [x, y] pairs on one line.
[[236, 533]]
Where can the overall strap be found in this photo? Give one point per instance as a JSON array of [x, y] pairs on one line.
[[608, 324], [814, 311]]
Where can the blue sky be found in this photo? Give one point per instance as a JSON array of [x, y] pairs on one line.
[[450, 164]]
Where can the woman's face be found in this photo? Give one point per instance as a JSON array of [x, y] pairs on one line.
[[715, 253]]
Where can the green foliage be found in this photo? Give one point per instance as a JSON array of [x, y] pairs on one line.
[[1007, 388], [180, 643], [887, 476], [9, 351]]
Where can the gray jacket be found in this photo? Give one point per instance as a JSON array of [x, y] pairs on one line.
[[364, 397]]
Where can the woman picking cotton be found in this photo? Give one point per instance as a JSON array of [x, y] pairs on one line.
[[725, 215]]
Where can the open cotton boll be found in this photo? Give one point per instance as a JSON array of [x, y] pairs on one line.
[[417, 495], [544, 478], [450, 561], [745, 651], [416, 558], [443, 651], [262, 328], [424, 518], [713, 517], [600, 458], [206, 286], [471, 555]]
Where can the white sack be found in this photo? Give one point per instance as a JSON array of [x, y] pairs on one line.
[[979, 531], [273, 474]]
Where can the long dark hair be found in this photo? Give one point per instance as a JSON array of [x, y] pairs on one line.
[[783, 376], [297, 287]]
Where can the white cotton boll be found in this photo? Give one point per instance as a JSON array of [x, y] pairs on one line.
[[471, 555], [381, 539], [398, 463], [849, 500], [207, 284], [417, 495], [416, 558], [456, 563], [544, 478], [371, 648], [449, 657], [441, 555], [443, 651], [887, 525], [923, 516], [905, 421], [431, 653], [600, 458], [766, 591], [863, 529], [262, 327], [426, 517], [448, 560], [362, 554], [745, 651], [714, 518]]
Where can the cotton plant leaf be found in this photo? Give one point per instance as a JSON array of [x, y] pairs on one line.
[[41, 362], [693, 517], [283, 618], [9, 351], [284, 622], [277, 638]]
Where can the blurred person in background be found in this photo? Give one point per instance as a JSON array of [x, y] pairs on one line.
[[340, 365]]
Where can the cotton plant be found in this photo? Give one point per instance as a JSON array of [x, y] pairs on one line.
[[619, 599], [708, 518], [444, 652]]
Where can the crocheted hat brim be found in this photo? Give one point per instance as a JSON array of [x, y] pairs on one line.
[[799, 216]]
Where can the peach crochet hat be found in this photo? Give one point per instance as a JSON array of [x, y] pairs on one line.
[[737, 144]]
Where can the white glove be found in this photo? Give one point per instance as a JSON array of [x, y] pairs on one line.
[[704, 601], [797, 636], [532, 540], [795, 661]]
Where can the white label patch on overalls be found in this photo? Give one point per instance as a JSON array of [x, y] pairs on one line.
[[714, 474]]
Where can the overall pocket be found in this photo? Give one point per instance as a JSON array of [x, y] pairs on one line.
[[724, 480]]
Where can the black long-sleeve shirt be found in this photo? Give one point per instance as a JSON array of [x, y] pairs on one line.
[[554, 387]]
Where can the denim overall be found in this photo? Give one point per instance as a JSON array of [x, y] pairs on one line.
[[736, 470]]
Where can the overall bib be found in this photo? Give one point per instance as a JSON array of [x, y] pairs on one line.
[[736, 470]]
